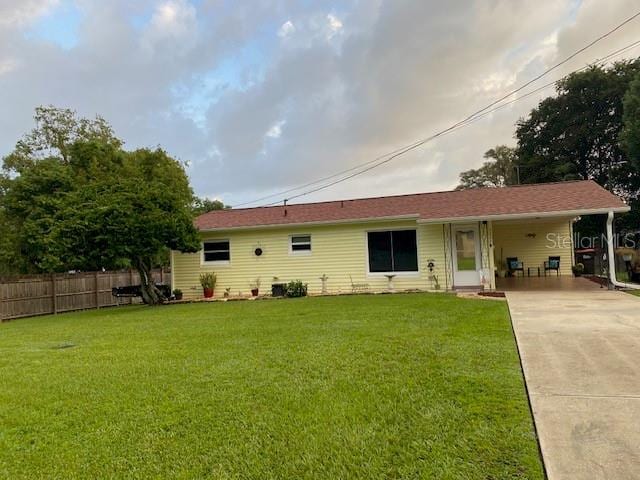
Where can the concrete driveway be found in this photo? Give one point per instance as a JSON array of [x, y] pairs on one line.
[[580, 353]]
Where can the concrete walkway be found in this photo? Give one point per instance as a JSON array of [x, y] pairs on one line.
[[581, 357]]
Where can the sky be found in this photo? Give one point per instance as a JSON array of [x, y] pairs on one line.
[[260, 96]]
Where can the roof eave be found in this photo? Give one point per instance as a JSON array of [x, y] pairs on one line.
[[528, 215], [391, 218]]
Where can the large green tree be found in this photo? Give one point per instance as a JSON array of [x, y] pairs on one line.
[[56, 130], [630, 141], [98, 206], [575, 134], [498, 171], [204, 205]]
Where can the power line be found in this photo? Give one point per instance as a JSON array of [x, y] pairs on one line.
[[557, 65], [469, 120], [388, 157]]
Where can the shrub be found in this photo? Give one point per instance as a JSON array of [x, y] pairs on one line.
[[296, 288], [177, 292], [578, 269], [208, 280]]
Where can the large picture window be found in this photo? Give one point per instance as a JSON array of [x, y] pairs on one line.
[[393, 251], [216, 251]]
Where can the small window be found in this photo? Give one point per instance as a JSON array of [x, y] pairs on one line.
[[216, 251], [300, 244], [393, 251]]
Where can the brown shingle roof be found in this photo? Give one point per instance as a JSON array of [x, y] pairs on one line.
[[479, 202]]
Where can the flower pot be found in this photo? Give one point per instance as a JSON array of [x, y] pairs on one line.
[[178, 296], [208, 292], [254, 292]]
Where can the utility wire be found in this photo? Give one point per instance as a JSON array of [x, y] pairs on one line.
[[469, 120], [386, 158]]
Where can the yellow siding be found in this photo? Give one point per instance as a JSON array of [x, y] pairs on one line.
[[337, 251], [552, 238]]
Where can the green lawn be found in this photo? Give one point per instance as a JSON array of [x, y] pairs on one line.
[[387, 386]]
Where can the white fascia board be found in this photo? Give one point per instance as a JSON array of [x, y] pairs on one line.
[[516, 216], [394, 218]]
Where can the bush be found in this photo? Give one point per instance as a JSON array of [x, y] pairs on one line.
[[578, 269], [177, 292], [296, 288]]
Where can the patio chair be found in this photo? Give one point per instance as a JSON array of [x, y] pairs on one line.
[[358, 287], [514, 266], [552, 264]]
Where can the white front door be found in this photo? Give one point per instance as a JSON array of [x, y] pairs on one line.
[[466, 255]]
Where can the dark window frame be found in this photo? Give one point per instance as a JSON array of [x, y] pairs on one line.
[[206, 250], [394, 255]]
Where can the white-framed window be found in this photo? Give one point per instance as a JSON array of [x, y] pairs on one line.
[[300, 244], [392, 251], [216, 251]]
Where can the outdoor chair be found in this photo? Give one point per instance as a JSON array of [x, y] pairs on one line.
[[514, 266], [358, 287], [552, 264]]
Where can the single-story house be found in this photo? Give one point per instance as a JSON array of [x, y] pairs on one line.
[[425, 241]]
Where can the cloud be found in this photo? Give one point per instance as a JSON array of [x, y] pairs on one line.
[[20, 12], [286, 29], [335, 25], [276, 130], [212, 83]]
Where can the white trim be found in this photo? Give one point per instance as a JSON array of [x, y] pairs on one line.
[[475, 226], [391, 218], [221, 263], [300, 253], [416, 273], [611, 257], [514, 216], [416, 216]]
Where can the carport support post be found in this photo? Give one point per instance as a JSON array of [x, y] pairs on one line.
[[612, 260]]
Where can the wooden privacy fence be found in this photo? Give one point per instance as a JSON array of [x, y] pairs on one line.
[[26, 296]]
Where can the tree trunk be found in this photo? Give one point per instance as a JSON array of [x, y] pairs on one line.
[[151, 295]]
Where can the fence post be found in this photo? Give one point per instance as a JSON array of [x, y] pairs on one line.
[[2, 287], [111, 287], [54, 294], [130, 283], [97, 285]]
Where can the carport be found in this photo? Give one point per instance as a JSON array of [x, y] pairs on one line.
[[550, 283]]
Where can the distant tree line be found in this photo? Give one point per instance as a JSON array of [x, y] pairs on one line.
[[589, 130], [71, 198]]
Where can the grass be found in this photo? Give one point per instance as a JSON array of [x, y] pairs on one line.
[[388, 386]]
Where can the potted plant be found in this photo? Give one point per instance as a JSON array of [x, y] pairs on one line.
[[177, 294], [255, 287], [227, 292], [578, 269], [208, 282]]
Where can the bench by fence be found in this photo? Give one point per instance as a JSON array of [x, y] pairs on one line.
[[29, 295]]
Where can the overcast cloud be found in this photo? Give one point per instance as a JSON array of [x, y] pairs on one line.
[[264, 95]]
